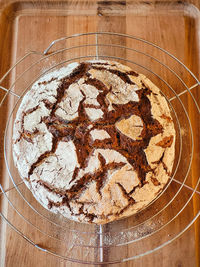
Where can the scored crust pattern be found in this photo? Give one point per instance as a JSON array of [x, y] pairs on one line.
[[94, 141]]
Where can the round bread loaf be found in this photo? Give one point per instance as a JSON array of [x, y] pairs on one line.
[[94, 141]]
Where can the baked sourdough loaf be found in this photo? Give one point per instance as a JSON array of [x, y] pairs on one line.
[[94, 141]]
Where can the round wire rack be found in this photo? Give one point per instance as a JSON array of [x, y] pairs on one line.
[[164, 219]]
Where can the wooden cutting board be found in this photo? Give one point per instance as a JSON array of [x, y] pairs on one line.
[[31, 25]]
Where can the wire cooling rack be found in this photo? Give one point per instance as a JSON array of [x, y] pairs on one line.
[[164, 219]]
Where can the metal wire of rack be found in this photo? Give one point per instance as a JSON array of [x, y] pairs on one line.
[[128, 232]]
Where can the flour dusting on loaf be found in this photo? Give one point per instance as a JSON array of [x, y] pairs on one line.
[[94, 141]]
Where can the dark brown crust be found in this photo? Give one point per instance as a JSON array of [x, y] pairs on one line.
[[162, 162], [26, 134], [125, 194], [46, 82], [167, 118], [77, 130], [47, 104], [155, 181], [166, 141], [123, 75]]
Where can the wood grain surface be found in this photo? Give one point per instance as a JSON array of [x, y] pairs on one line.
[[32, 25]]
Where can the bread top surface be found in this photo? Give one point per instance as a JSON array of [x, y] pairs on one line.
[[94, 141]]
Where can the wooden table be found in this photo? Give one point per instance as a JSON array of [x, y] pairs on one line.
[[24, 26]]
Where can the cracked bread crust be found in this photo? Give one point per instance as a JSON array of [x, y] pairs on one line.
[[94, 141]]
